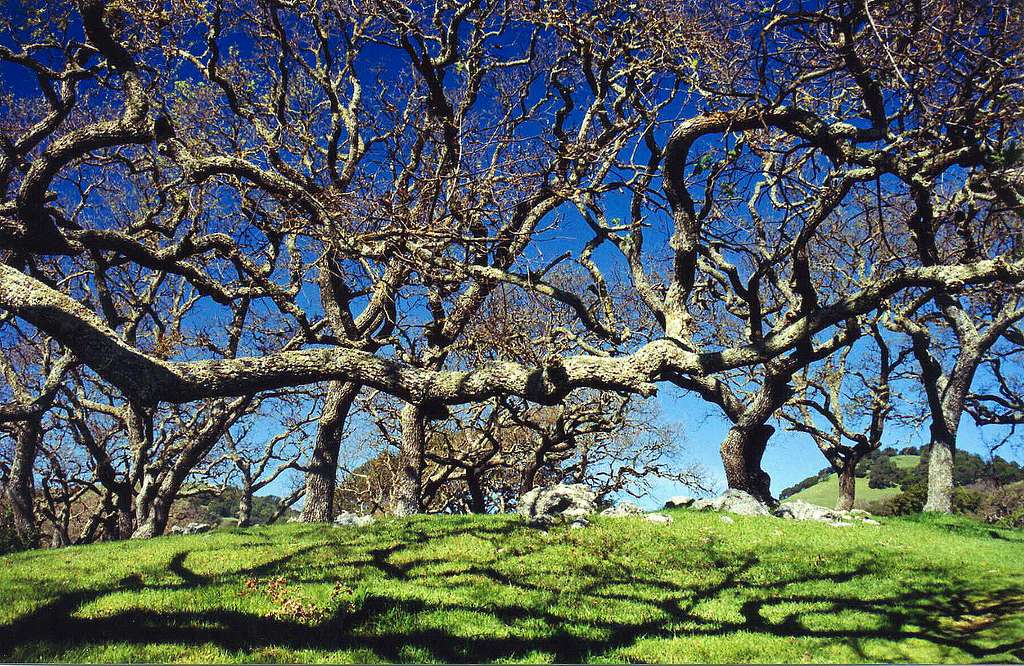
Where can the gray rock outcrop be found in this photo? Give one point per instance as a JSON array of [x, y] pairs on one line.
[[347, 519], [679, 502], [191, 528], [801, 510], [623, 509], [544, 507], [734, 501]]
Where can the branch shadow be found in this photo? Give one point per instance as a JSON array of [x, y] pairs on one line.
[[953, 620]]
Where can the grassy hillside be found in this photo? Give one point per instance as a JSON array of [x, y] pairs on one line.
[[825, 493], [488, 589]]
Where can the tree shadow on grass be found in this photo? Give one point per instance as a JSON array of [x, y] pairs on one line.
[[955, 621]]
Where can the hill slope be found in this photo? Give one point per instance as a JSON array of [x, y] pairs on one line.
[[486, 588], [825, 493]]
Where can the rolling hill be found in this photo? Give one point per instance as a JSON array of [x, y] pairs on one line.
[[825, 493]]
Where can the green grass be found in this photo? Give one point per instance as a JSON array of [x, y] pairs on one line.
[[825, 493], [438, 589]]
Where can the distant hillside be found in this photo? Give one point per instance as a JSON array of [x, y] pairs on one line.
[[220, 505], [887, 473], [826, 492]]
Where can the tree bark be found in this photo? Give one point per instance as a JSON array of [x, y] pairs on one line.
[[321, 476], [942, 453], [154, 523], [742, 452], [477, 501], [245, 505], [124, 524], [406, 498], [21, 486], [847, 484]]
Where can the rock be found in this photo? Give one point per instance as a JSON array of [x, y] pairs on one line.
[[295, 519], [543, 521], [801, 510], [658, 519], [679, 502], [544, 507], [705, 505], [579, 523], [191, 528], [734, 501], [727, 520], [742, 503], [347, 519], [623, 509]]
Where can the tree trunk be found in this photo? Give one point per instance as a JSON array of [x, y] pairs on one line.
[[21, 485], [245, 505], [742, 451], [407, 493], [154, 522], [746, 442], [847, 484], [942, 452], [121, 523], [321, 476], [153, 504], [533, 469], [477, 501]]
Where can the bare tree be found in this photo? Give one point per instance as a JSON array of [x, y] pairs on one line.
[[33, 376], [844, 403], [260, 463], [699, 159]]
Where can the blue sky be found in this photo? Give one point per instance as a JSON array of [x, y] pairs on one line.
[[790, 457]]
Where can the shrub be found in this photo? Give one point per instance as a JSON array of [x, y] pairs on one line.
[[912, 500], [967, 500], [883, 473], [1004, 506]]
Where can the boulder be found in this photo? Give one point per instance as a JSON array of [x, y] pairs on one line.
[[347, 519], [734, 501], [658, 519], [705, 504], [679, 502], [191, 528], [727, 520], [622, 510], [544, 507], [801, 510]]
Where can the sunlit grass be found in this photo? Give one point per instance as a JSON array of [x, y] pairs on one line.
[[436, 589]]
